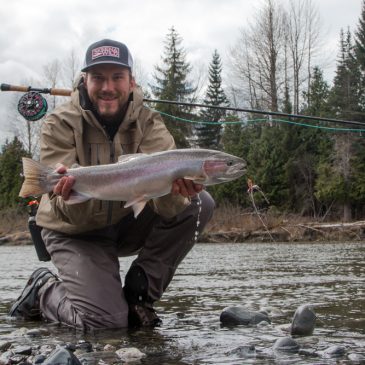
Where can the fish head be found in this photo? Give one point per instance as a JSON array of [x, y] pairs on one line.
[[222, 167]]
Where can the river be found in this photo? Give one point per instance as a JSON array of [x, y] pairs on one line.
[[276, 277]]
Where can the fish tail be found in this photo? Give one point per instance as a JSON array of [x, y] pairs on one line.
[[35, 182]]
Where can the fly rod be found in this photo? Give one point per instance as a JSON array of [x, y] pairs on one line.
[[33, 105]]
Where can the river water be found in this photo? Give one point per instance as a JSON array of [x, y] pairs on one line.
[[276, 277]]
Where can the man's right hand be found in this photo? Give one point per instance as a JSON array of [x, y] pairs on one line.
[[64, 186]]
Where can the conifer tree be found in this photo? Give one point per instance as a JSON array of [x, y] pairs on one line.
[[360, 39], [10, 170], [336, 174], [171, 83], [209, 135]]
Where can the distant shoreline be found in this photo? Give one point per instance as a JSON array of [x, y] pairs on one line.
[[299, 232], [229, 224]]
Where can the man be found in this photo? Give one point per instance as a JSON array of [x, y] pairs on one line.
[[104, 119]]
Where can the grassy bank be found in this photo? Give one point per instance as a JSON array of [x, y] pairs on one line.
[[229, 224]]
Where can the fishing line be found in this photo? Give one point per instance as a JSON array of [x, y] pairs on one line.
[[248, 121]]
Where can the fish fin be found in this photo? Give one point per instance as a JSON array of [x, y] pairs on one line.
[[137, 204], [197, 179], [138, 207], [75, 166], [35, 175], [76, 198], [130, 157]]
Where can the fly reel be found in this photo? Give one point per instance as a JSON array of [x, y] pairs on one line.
[[32, 106]]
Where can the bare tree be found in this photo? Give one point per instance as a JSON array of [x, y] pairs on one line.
[[52, 76], [302, 35], [257, 60], [71, 69]]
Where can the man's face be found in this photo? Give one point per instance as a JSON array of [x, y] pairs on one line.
[[108, 87]]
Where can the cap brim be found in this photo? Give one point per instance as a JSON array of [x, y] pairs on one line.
[[85, 69]]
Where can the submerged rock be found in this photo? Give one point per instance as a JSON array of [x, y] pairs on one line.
[[244, 351], [357, 358], [130, 354], [303, 322], [334, 351], [242, 316], [286, 344], [4, 345], [61, 356]]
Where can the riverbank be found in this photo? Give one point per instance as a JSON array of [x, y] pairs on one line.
[[228, 225]]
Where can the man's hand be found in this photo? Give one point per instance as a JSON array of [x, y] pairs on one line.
[[186, 188], [64, 186]]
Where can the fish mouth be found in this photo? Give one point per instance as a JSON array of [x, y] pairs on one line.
[[235, 171], [238, 165]]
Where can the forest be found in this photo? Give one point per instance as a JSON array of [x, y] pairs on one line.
[[312, 168]]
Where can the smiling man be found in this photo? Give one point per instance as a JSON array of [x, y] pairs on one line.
[[106, 118]]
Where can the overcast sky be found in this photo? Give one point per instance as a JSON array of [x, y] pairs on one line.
[[34, 33]]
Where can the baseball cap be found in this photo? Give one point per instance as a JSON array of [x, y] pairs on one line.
[[107, 51]]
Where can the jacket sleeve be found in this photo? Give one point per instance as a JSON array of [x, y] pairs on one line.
[[58, 146], [156, 137]]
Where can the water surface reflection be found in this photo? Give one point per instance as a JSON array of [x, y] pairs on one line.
[[273, 277]]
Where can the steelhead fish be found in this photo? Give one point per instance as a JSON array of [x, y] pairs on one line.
[[135, 178]]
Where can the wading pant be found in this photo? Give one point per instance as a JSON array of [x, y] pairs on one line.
[[90, 295]]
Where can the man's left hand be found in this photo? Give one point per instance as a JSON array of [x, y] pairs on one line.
[[186, 188]]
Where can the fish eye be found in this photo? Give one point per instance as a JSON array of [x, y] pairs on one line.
[[229, 163]]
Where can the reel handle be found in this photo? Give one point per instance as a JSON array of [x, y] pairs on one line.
[[60, 92]]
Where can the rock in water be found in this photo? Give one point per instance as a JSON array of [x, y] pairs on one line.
[[130, 354], [334, 351], [303, 321], [61, 356], [240, 315], [286, 344]]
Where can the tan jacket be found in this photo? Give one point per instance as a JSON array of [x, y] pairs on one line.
[[72, 135]]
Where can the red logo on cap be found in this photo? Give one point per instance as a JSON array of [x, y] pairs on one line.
[[105, 51]]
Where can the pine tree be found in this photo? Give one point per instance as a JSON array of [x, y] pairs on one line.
[[171, 83], [209, 135], [345, 101], [10, 170], [236, 140], [360, 39]]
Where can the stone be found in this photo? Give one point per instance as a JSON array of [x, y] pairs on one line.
[[4, 345], [5, 358], [303, 322], [286, 344], [38, 359], [109, 347], [22, 350], [242, 316], [61, 356], [245, 351], [84, 346], [34, 332], [130, 354], [357, 358], [334, 351]]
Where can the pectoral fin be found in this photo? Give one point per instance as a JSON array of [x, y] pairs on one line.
[[197, 179]]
